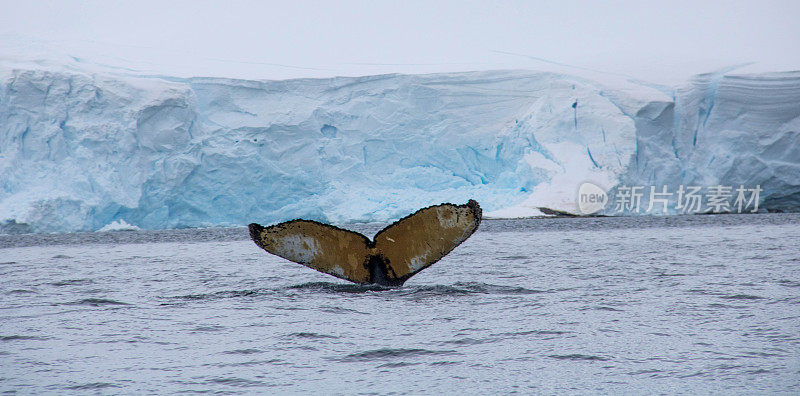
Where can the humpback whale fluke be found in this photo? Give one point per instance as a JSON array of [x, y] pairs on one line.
[[395, 254]]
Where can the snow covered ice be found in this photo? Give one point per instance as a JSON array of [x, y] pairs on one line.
[[82, 149]]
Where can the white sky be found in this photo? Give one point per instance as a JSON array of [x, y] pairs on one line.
[[658, 41]]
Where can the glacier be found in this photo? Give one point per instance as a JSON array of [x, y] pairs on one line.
[[84, 149]]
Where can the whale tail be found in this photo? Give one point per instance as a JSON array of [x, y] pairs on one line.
[[395, 254]]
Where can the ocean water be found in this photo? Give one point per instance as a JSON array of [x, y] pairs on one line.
[[676, 305]]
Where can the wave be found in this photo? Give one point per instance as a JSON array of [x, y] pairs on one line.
[[92, 386], [459, 288], [226, 294], [237, 382], [392, 353], [249, 351], [578, 356], [96, 302], [471, 341], [309, 335], [485, 288], [742, 297], [70, 282], [21, 338], [328, 287]]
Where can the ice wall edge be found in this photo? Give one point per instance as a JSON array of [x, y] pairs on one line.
[[79, 151]]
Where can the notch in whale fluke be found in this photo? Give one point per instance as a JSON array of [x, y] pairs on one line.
[[395, 254]]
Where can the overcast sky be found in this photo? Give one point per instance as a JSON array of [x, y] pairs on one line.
[[660, 41]]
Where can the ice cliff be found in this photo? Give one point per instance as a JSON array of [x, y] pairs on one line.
[[81, 150]]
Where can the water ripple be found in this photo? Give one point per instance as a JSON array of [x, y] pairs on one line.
[[243, 351], [225, 294], [93, 386], [96, 302], [577, 356], [391, 353], [309, 335], [328, 287], [237, 382], [22, 338], [742, 297]]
